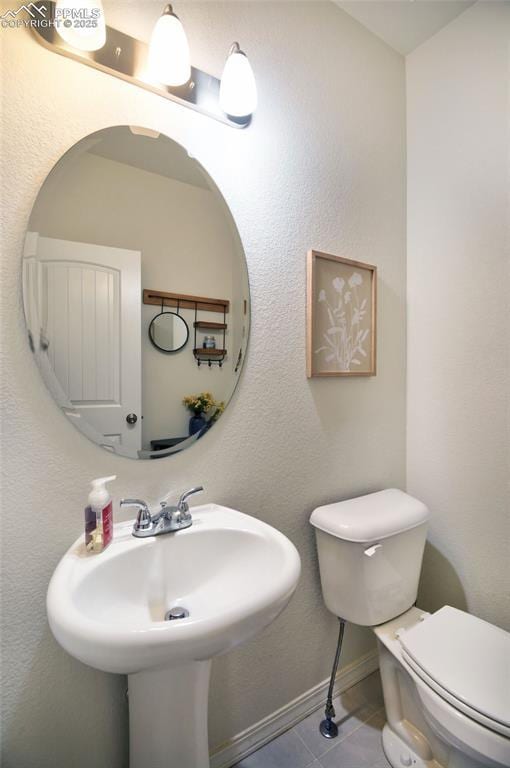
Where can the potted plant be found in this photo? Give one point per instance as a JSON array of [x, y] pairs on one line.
[[200, 406]]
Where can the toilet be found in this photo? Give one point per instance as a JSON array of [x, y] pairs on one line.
[[445, 675]]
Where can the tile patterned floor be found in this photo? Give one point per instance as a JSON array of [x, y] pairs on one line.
[[360, 718]]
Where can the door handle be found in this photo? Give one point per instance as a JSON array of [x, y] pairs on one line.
[[131, 418]]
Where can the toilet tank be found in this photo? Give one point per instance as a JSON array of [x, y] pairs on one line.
[[370, 553]]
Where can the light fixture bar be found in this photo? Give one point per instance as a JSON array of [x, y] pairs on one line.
[[126, 57]]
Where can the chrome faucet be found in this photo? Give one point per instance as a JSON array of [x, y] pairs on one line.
[[166, 520]]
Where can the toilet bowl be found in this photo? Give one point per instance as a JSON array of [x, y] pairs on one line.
[[445, 676], [446, 700]]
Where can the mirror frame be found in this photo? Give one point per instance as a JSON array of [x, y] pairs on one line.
[[162, 349]]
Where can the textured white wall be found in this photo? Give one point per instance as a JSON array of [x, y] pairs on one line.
[[322, 166], [459, 309]]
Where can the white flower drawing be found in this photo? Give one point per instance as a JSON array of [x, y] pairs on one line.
[[355, 279], [345, 337]]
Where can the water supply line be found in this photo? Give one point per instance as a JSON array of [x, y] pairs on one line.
[[328, 727]]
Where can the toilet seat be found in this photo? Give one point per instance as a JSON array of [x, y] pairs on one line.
[[464, 660]]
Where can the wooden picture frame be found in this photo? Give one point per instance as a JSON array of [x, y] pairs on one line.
[[341, 316]]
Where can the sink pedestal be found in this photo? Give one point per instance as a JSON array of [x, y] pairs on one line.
[[168, 717]]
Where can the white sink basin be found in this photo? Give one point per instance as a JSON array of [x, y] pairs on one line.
[[233, 573]]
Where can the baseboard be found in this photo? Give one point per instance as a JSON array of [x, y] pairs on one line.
[[273, 725]]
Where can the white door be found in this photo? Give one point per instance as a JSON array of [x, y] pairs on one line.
[[88, 300]]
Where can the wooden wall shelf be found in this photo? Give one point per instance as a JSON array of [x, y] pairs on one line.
[[203, 325], [199, 351], [185, 301], [180, 301]]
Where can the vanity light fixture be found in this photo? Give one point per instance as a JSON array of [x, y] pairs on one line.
[[238, 90], [72, 17], [169, 61], [163, 66]]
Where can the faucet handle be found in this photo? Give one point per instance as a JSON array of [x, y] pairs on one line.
[[182, 504], [144, 518]]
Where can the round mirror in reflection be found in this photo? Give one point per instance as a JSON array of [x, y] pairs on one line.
[[128, 226], [169, 332]]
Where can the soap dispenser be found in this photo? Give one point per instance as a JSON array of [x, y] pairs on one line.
[[99, 516]]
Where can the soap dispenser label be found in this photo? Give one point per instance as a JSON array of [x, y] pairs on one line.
[[107, 524]]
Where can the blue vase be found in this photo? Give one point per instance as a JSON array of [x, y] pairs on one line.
[[196, 423]]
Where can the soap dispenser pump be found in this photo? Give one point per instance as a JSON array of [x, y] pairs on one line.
[[99, 516]]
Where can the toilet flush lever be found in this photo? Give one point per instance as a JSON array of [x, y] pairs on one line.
[[370, 552]]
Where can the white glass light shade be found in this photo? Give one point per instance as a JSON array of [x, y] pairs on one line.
[[238, 90], [169, 61], [81, 23]]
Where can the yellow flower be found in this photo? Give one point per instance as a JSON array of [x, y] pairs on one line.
[[202, 403]]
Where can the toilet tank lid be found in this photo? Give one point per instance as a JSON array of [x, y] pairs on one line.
[[368, 518]]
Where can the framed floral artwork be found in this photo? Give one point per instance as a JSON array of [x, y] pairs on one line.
[[341, 316]]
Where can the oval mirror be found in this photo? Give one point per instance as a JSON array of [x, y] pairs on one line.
[[132, 251], [169, 332]]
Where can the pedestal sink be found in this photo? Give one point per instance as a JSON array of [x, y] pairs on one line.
[[233, 573]]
